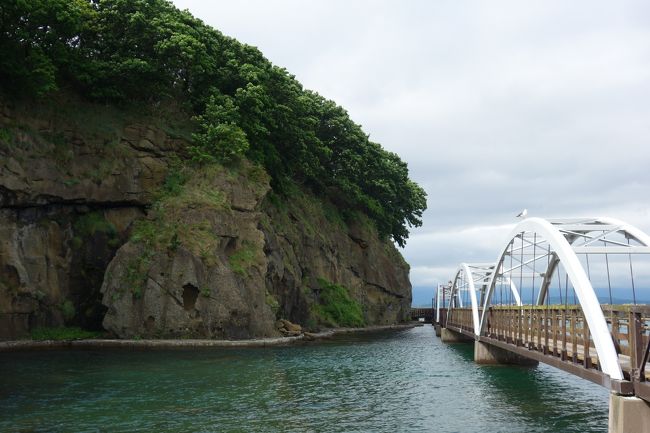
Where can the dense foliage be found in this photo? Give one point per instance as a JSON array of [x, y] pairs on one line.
[[148, 51], [336, 307]]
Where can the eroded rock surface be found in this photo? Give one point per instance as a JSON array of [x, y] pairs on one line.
[[200, 272], [87, 240]]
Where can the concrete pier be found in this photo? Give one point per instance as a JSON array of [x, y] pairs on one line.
[[485, 353], [449, 336], [628, 414]]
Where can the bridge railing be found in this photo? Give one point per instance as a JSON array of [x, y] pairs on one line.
[[556, 330], [510, 303], [630, 329], [460, 319], [443, 317], [562, 331]]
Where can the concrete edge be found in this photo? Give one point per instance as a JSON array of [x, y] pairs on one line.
[[20, 345]]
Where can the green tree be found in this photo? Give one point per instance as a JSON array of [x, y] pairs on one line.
[[147, 52], [39, 40], [220, 139]]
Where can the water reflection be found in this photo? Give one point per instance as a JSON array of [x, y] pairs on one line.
[[541, 396], [404, 381]]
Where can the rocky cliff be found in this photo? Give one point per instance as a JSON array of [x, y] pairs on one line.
[[103, 227]]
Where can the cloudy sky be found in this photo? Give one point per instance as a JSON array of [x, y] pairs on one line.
[[496, 106]]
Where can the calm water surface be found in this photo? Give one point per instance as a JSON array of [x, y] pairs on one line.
[[401, 381]]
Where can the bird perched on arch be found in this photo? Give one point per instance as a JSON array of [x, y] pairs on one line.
[[523, 213]]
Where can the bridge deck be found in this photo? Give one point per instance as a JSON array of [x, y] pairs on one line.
[[428, 314], [559, 336]]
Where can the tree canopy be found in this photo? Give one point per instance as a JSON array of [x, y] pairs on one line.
[[148, 51]]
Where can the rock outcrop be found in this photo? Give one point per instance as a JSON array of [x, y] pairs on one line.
[[195, 267], [70, 189], [99, 227]]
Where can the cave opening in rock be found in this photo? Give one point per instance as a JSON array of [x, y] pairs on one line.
[[231, 246], [190, 295], [150, 323]]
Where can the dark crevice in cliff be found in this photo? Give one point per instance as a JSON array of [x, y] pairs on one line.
[[49, 202], [378, 286], [363, 244], [384, 289]]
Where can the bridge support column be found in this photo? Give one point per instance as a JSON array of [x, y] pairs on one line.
[[449, 336], [438, 329], [485, 353], [628, 414]]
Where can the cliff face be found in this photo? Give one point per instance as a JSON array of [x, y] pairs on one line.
[[307, 243], [100, 226]]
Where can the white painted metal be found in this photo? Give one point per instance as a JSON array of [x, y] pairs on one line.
[[473, 273], [515, 293], [472, 298], [565, 239], [639, 235], [612, 250], [438, 304], [607, 356]]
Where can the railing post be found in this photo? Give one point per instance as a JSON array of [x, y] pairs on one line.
[[586, 341], [491, 324], [526, 326], [637, 348], [520, 314], [508, 329], [574, 336], [563, 354], [545, 349], [615, 330]]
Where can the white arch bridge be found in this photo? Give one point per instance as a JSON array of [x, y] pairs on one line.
[[572, 293]]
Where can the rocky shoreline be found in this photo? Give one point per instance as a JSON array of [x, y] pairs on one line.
[[24, 345]]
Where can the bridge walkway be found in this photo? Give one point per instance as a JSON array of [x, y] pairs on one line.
[[545, 261], [558, 335]]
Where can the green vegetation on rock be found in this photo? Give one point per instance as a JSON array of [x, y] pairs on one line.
[[336, 307], [242, 258], [92, 222], [62, 333], [136, 273], [149, 53], [68, 310], [272, 302], [178, 216]]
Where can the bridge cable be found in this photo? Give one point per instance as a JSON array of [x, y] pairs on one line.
[[632, 275], [609, 280], [532, 301], [501, 292], [512, 245], [521, 268], [547, 292], [609, 288], [559, 284], [466, 286]]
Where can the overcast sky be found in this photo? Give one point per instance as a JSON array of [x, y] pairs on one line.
[[496, 106]]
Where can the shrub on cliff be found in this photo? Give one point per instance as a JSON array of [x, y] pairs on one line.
[[336, 307]]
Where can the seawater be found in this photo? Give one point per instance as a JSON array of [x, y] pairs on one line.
[[397, 381]]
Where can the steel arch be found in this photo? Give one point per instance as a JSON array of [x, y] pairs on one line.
[[476, 274], [561, 236]]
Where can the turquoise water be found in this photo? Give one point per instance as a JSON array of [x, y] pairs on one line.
[[398, 381]]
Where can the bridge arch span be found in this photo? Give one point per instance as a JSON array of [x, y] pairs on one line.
[[563, 240], [473, 278]]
